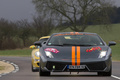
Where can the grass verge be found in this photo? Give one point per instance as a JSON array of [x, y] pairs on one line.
[[17, 52], [116, 52]]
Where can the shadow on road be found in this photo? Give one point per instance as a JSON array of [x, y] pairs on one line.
[[73, 75]]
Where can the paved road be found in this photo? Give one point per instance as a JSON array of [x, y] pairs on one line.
[[25, 73]]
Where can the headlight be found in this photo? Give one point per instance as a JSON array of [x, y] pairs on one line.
[[37, 59], [49, 54], [37, 54], [102, 54]]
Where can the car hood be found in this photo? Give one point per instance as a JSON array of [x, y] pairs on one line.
[[82, 52]]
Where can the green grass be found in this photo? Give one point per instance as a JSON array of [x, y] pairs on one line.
[[17, 52], [112, 34], [116, 52]]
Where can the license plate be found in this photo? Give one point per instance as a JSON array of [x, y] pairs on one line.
[[76, 67]]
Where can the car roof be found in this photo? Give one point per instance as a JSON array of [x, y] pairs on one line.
[[44, 37]]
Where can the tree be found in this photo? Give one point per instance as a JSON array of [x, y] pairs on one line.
[[42, 27], [73, 10], [115, 17], [7, 32], [24, 29]]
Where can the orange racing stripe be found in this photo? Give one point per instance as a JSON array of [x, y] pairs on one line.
[[78, 55], [73, 55]]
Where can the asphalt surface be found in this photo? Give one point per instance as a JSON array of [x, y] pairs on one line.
[[25, 72]]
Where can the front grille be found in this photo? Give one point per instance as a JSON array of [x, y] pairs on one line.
[[96, 66], [58, 66]]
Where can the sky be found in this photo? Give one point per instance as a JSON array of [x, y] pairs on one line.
[[14, 10], [117, 2], [17, 9]]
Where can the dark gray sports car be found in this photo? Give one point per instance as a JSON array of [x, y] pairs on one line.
[[75, 52]]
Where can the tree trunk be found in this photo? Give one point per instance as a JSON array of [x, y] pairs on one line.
[[24, 42]]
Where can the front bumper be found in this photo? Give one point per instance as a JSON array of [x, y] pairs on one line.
[[35, 63], [100, 65]]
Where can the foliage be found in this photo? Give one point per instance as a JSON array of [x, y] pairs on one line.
[[115, 17], [24, 30], [71, 11], [41, 27], [7, 32], [21, 33]]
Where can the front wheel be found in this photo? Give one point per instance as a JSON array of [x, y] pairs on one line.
[[43, 73], [33, 70]]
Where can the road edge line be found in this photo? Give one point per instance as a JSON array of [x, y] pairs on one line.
[[16, 68], [115, 77]]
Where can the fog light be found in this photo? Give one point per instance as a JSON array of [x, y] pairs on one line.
[[53, 66]]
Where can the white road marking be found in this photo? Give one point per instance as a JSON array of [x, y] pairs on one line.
[[115, 77]]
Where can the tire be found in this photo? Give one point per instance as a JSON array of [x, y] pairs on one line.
[[43, 73], [106, 73], [33, 70]]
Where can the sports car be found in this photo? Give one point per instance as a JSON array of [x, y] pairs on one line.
[[75, 52], [35, 55]]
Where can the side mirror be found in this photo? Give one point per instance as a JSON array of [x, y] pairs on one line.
[[38, 43], [32, 47], [111, 43], [44, 42]]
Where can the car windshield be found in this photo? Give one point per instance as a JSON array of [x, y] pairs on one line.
[[75, 40], [44, 39]]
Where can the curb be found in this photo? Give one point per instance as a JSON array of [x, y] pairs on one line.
[[16, 68]]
